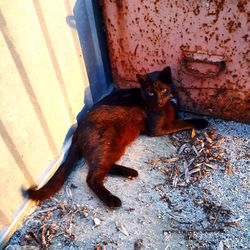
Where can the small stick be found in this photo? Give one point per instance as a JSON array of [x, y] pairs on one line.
[[187, 222], [216, 217], [40, 212], [52, 236], [44, 242], [70, 222], [188, 230]]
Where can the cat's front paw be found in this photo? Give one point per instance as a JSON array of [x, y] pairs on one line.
[[112, 201], [200, 123], [123, 171], [132, 174]]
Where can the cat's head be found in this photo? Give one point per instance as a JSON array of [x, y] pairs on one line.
[[156, 93]]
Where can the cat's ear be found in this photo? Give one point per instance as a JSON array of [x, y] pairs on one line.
[[165, 75], [144, 80]]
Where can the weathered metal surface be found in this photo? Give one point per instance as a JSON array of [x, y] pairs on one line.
[[206, 43], [42, 81]]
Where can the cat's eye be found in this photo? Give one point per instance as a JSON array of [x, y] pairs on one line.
[[150, 93], [164, 91]]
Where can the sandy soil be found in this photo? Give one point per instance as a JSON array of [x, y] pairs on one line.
[[192, 193]]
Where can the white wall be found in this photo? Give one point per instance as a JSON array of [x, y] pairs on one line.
[[42, 83]]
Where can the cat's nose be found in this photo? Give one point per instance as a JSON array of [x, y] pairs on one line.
[[159, 100]]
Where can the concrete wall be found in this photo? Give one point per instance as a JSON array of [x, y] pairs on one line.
[[42, 83]]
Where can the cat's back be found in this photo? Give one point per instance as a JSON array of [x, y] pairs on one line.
[[122, 97], [108, 113], [105, 121], [108, 129]]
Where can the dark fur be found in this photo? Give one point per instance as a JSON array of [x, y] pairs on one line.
[[112, 124]]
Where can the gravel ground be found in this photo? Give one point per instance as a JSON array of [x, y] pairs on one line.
[[192, 193]]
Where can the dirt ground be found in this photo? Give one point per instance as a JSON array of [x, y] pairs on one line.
[[192, 193]]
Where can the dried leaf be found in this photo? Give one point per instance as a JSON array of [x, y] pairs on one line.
[[44, 241], [229, 170], [165, 198], [167, 237], [176, 216], [175, 180], [163, 171], [211, 166], [220, 246], [85, 211], [200, 151], [193, 134], [138, 244], [178, 207], [195, 170], [122, 228], [182, 184], [97, 221], [198, 164], [187, 175], [212, 134], [208, 138], [155, 161], [68, 192], [171, 159], [195, 150], [182, 148], [190, 162], [237, 219], [98, 247]]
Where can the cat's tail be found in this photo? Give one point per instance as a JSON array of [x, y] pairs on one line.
[[58, 179]]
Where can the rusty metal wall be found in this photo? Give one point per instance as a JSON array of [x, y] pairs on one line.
[[206, 43], [42, 82]]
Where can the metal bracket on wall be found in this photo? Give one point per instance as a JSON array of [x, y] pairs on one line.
[[203, 65]]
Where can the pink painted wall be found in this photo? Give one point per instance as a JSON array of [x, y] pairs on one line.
[[206, 43]]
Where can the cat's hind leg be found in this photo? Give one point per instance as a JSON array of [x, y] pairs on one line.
[[123, 171], [95, 181]]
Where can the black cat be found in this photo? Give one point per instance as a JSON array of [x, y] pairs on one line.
[[111, 125]]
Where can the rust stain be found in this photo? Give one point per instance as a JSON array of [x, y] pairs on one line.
[[232, 26], [227, 100], [144, 36], [217, 6], [242, 5]]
